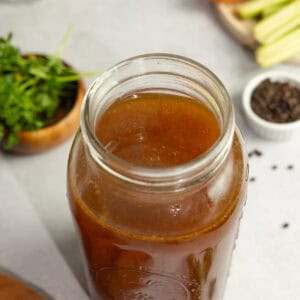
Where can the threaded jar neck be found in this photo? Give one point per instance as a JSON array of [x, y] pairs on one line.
[[163, 73]]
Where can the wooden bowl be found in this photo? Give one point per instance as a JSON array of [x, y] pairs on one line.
[[45, 138], [50, 136]]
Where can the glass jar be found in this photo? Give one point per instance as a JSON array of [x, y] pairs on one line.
[[149, 233]]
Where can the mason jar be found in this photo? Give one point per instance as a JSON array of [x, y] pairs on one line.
[[157, 232]]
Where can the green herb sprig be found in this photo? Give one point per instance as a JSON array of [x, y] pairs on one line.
[[34, 90]]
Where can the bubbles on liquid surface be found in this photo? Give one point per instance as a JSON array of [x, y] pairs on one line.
[[175, 209]]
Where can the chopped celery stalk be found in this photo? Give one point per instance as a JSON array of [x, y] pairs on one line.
[[251, 9], [284, 29], [267, 26], [280, 50], [272, 9]]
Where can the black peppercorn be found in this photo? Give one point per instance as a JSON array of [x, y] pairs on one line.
[[277, 102]]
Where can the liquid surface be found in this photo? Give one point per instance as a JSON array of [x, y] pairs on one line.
[[158, 130], [161, 246]]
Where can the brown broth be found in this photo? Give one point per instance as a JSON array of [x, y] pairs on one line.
[[141, 245], [158, 130]]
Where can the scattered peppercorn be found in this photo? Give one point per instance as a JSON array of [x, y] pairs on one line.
[[252, 179], [285, 225], [255, 152], [274, 167], [277, 102], [290, 167]]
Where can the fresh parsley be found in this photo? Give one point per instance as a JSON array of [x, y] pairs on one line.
[[35, 91]]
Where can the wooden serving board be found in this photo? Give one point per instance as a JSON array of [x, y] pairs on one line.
[[241, 29], [12, 289]]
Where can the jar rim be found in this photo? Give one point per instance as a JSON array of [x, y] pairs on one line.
[[179, 175]]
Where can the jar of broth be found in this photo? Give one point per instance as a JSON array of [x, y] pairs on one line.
[[157, 178]]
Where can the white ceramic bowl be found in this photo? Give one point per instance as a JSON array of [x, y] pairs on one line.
[[266, 129]]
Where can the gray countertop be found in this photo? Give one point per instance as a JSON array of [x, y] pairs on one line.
[[266, 263]]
